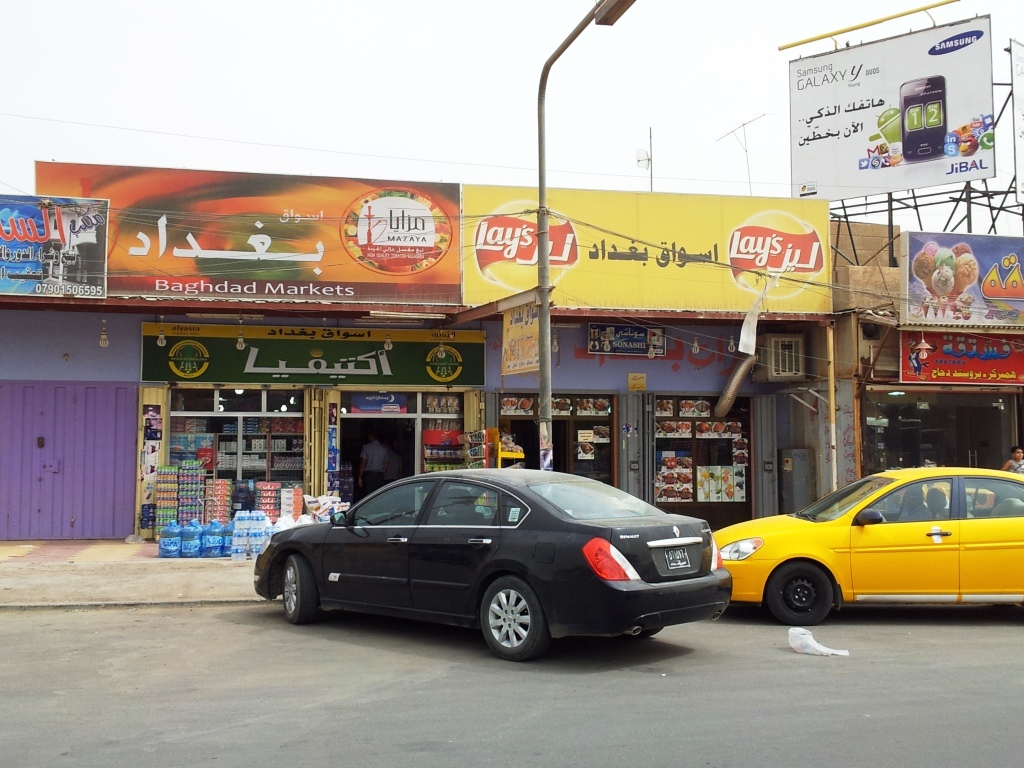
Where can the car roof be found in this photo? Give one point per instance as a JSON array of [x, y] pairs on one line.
[[923, 473], [512, 477]]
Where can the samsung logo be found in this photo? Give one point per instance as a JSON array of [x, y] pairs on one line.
[[956, 42]]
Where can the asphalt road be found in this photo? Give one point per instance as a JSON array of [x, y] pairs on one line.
[[238, 686]]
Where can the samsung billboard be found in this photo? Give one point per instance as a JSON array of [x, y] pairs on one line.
[[903, 113]]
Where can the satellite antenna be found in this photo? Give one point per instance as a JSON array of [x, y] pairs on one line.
[[645, 157]]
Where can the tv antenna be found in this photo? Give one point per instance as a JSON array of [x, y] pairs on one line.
[[743, 144]]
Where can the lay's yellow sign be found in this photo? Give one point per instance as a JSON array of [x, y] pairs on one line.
[[623, 250]]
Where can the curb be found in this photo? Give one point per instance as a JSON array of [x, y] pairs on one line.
[[130, 604]]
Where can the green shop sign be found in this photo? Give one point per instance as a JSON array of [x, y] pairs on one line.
[[179, 352]]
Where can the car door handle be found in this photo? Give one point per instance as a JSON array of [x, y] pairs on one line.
[[936, 532], [398, 540], [479, 542]]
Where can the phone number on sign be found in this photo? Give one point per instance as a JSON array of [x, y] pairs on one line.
[[69, 290]]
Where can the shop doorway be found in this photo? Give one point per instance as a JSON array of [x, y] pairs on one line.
[[399, 434], [983, 437]]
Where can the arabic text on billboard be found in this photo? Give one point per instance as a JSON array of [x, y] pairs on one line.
[[961, 357], [904, 113]]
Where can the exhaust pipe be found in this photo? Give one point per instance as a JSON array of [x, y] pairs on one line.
[[634, 630]]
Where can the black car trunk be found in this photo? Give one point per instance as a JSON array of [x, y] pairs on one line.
[[664, 551]]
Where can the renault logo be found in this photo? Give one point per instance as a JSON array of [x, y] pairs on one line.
[[675, 530]]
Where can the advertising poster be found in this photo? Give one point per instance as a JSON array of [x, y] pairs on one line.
[[604, 339], [248, 236], [958, 279], [904, 113], [520, 340], [328, 356], [53, 247], [1017, 84], [961, 357], [623, 250]]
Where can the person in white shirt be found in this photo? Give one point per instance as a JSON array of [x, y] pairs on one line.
[[373, 461]]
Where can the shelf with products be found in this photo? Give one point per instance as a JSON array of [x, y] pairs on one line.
[[441, 447], [699, 458]]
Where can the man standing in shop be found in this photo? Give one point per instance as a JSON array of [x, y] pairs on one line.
[[373, 460]]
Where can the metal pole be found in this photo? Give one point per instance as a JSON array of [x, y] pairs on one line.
[[650, 154], [543, 256]]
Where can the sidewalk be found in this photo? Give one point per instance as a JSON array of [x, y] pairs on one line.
[[36, 574]]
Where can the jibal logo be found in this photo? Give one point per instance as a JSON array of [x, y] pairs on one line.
[[956, 42], [774, 243], [506, 249]]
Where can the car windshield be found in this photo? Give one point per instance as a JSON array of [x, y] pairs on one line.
[[590, 500], [838, 503]]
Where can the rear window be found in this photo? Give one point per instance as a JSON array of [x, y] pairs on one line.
[[588, 500]]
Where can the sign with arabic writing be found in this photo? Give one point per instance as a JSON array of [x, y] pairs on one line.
[[53, 247], [623, 250], [327, 356], [961, 357], [604, 339], [962, 280], [520, 339], [903, 113], [246, 236]]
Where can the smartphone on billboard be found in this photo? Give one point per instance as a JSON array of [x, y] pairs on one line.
[[923, 107]]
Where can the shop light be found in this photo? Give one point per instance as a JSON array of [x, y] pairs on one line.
[[897, 393], [239, 391], [240, 343], [161, 340], [388, 346], [696, 346], [104, 341]]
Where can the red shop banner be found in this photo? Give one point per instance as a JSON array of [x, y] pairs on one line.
[[955, 357]]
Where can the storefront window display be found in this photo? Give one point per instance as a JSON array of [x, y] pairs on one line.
[[581, 430], [924, 427], [701, 462]]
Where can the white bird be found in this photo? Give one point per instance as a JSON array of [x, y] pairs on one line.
[[802, 641]]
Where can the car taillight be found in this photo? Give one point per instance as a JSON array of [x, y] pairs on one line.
[[608, 563], [716, 556]]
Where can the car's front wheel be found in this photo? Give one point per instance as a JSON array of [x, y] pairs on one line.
[[513, 621], [799, 593], [301, 597]]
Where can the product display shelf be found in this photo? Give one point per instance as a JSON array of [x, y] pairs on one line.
[[442, 448], [475, 449]]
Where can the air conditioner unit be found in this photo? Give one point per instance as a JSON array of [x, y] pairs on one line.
[[780, 357]]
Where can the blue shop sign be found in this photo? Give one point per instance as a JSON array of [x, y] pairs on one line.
[[604, 339]]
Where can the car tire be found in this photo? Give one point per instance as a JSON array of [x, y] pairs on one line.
[[799, 593], [512, 620], [299, 592]]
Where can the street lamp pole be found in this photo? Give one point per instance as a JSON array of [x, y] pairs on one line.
[[604, 12]]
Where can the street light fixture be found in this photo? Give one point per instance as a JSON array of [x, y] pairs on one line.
[[605, 13]]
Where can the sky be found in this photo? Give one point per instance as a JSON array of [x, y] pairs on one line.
[[444, 90]]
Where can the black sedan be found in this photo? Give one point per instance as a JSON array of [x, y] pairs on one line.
[[525, 555]]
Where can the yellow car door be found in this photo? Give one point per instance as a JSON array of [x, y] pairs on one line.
[[992, 540], [914, 556]]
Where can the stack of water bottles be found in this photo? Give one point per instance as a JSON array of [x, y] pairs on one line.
[[251, 534]]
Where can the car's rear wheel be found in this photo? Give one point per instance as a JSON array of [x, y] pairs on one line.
[[799, 593], [513, 621], [301, 597]]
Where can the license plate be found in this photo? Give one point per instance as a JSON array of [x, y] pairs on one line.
[[677, 558]]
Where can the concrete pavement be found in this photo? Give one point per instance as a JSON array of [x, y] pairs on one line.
[[37, 574]]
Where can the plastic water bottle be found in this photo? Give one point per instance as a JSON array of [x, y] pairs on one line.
[[170, 541], [237, 549], [229, 534], [213, 540], [191, 539]]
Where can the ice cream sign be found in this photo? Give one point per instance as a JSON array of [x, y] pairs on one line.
[[953, 279]]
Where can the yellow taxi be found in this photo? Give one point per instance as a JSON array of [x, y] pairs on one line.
[[932, 535]]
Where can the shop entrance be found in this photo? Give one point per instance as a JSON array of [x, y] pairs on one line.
[[398, 434]]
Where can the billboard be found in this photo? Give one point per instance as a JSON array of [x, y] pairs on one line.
[[53, 247], [1017, 85], [638, 250], [961, 357], [962, 280], [244, 236], [298, 355], [903, 113]]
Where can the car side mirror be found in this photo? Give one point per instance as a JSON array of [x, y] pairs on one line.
[[340, 518], [868, 517]]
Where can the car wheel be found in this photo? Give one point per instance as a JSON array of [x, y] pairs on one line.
[[301, 598], [513, 621], [799, 593]]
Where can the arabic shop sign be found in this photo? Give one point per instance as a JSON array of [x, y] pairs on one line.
[[327, 356], [626, 340], [695, 252], [904, 113], [962, 280], [520, 339], [243, 237], [53, 247], [959, 357]]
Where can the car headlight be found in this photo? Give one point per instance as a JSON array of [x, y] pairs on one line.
[[742, 549]]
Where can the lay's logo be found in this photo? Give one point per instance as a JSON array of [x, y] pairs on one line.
[[506, 249], [774, 243]]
